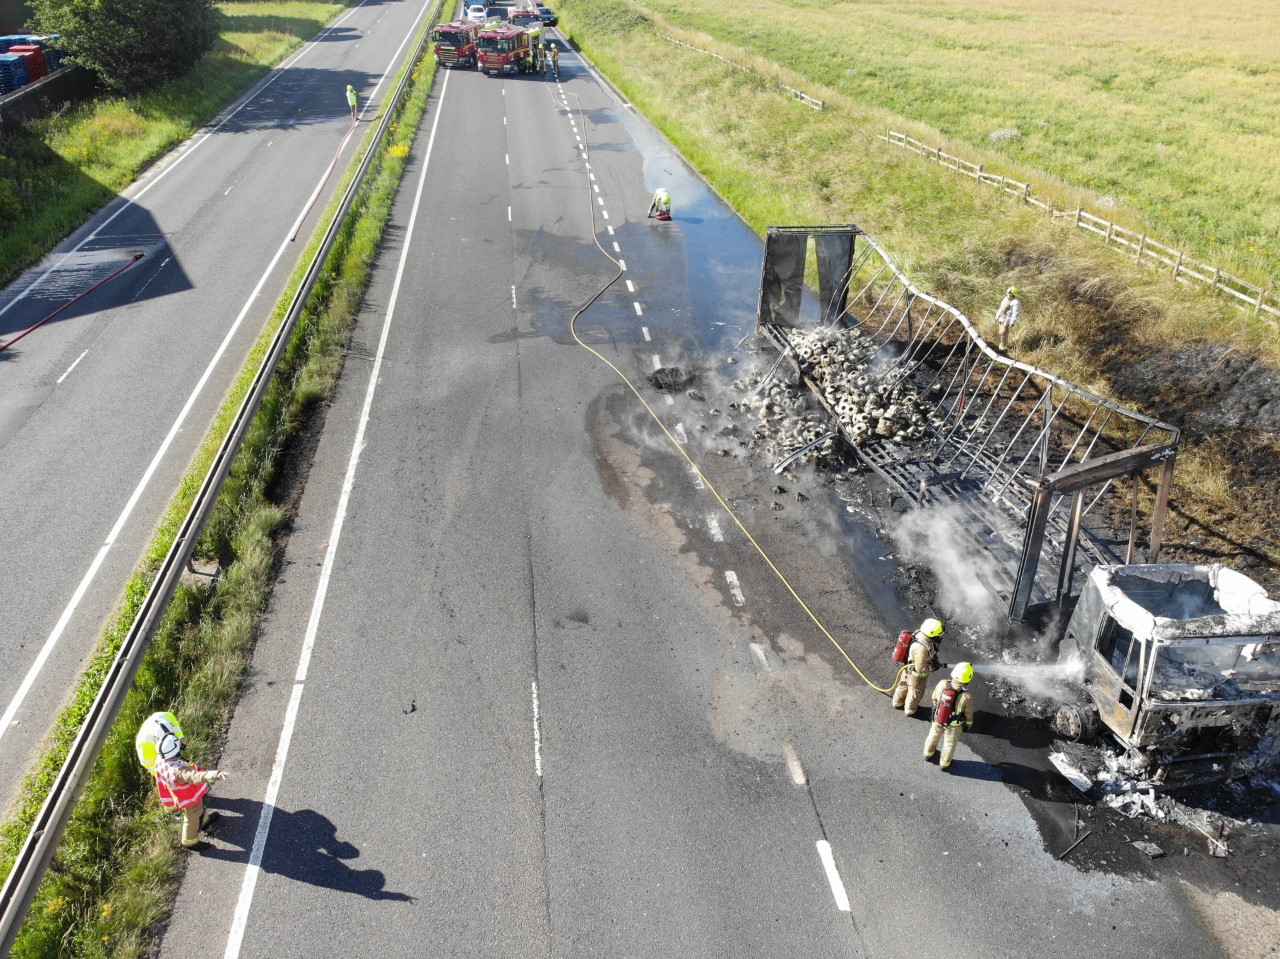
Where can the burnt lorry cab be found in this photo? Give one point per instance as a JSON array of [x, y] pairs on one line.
[[455, 43], [504, 49], [1181, 664]]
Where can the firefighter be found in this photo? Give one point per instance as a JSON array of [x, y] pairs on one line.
[[660, 206], [555, 60], [1008, 313], [352, 101], [922, 659], [544, 53], [181, 784], [952, 709]]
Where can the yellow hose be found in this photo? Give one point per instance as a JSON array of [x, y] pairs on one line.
[[680, 447]]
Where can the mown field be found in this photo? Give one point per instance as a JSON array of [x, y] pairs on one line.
[[57, 171], [1090, 315], [1161, 113]]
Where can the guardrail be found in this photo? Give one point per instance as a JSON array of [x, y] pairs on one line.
[[792, 91], [1250, 296], [42, 840]]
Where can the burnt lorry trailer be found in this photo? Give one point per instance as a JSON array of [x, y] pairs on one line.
[[1181, 664], [1045, 476]]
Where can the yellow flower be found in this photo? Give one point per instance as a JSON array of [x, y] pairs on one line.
[[106, 912], [55, 905]]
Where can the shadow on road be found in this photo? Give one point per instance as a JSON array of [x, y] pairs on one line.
[[302, 845]]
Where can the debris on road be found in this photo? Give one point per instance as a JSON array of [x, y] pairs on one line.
[[1150, 848], [1082, 781], [671, 379]]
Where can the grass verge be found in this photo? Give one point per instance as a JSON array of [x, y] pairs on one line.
[[1089, 315], [112, 881], [57, 171]]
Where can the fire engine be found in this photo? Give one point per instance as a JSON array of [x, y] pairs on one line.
[[455, 43], [524, 16], [505, 49]]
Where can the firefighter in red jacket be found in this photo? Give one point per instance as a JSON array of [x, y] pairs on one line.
[[921, 660], [952, 709], [181, 784]]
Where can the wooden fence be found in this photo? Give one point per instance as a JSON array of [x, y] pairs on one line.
[[1256, 299], [792, 91]]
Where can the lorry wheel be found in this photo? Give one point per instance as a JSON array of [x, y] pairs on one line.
[[1077, 722]]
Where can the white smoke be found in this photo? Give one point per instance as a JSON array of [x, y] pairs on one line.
[[936, 537]]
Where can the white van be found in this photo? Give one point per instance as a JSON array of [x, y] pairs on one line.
[[476, 13]]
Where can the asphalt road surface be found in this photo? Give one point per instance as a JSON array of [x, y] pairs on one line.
[[102, 407], [527, 689]]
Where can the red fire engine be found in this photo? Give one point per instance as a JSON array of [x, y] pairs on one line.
[[505, 49], [455, 43]]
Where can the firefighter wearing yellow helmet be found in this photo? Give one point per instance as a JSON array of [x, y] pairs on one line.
[[922, 659], [952, 711], [181, 784], [1008, 313]]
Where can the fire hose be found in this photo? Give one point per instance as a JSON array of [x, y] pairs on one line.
[[675, 444]]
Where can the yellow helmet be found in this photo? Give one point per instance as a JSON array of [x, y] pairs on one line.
[[932, 628], [1013, 291], [160, 737], [962, 673]]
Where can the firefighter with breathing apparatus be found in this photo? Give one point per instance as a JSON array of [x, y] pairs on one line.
[[181, 784], [952, 709], [917, 654]]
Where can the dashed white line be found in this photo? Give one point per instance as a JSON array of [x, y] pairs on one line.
[[639, 312], [508, 156], [513, 297], [72, 366], [508, 214], [794, 766], [681, 435], [758, 650], [596, 187], [647, 337], [600, 200], [504, 121], [735, 588], [616, 248], [605, 214], [657, 361], [631, 287], [713, 526], [610, 229], [592, 176], [667, 397], [537, 733], [833, 875]]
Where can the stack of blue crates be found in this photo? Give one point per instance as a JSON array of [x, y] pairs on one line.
[[13, 72]]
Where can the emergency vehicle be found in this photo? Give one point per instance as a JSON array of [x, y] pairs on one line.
[[524, 16], [455, 43], [505, 48]]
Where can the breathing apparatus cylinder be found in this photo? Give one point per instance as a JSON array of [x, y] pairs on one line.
[[946, 706], [901, 647]]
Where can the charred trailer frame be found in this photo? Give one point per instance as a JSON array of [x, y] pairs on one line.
[[1025, 456]]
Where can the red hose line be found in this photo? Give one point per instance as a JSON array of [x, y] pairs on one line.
[[111, 276]]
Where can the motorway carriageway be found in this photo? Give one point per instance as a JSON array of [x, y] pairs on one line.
[[525, 689], [102, 408]]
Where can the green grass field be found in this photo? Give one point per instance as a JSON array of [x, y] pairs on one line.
[[57, 171], [1158, 113]]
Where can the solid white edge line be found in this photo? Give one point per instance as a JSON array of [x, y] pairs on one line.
[[252, 869], [833, 875], [132, 200], [537, 733]]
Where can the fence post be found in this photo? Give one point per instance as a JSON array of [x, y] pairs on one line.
[[1078, 212], [938, 151], [1177, 266], [1258, 305], [1026, 191], [979, 169], [1217, 276], [1142, 245], [1111, 229]]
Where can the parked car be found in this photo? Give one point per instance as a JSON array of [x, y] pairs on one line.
[[476, 13], [548, 15]]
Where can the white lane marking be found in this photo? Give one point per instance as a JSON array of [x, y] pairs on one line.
[[228, 189], [537, 733], [72, 367], [631, 287], [513, 297], [616, 248], [758, 650], [504, 121], [657, 362], [592, 176], [647, 337], [508, 157], [622, 264], [681, 435], [47, 649], [670, 401], [713, 525], [596, 187], [508, 214], [639, 312], [132, 201], [254, 866], [697, 478], [735, 588], [794, 766], [600, 200], [833, 875], [610, 229], [605, 214]]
